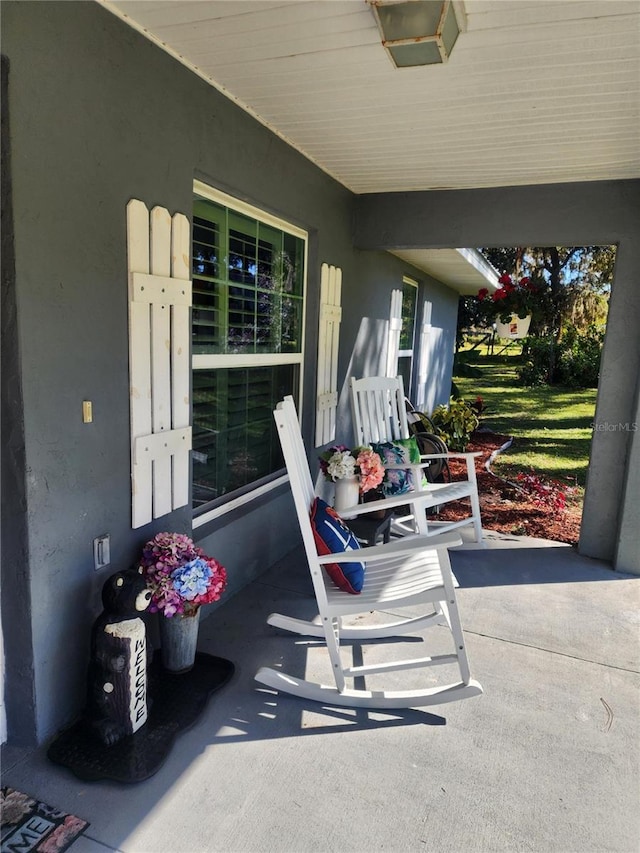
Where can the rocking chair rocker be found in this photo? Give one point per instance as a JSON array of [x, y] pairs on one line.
[[408, 572]]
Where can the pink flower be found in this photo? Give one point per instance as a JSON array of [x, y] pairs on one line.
[[161, 556], [483, 293], [371, 469], [505, 278], [217, 583]]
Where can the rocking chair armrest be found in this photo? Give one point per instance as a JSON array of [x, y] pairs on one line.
[[451, 455], [385, 503], [472, 454], [405, 545]]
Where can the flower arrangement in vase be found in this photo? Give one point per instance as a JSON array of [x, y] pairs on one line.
[[340, 463], [181, 578], [180, 575], [354, 472]]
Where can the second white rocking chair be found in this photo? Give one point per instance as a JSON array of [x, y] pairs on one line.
[[408, 572], [380, 415]]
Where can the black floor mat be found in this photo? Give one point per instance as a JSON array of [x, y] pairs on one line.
[[177, 702]]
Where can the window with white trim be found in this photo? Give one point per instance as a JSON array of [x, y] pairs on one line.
[[249, 275], [407, 332]]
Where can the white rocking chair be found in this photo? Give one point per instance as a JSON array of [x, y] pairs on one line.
[[407, 572], [380, 415]]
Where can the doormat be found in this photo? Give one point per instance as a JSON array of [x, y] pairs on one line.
[[30, 825]]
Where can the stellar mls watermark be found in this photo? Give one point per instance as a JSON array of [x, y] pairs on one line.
[[605, 426]]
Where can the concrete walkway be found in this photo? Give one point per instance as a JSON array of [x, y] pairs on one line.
[[547, 760]]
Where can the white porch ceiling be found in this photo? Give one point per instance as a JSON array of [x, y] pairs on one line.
[[535, 91]]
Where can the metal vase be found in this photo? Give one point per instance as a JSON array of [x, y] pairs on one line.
[[179, 638]]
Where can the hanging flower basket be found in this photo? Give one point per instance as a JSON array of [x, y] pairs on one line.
[[517, 327], [512, 306]]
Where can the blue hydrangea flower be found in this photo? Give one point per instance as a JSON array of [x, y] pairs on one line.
[[192, 579]]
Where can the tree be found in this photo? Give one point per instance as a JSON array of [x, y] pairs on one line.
[[573, 305], [579, 279]]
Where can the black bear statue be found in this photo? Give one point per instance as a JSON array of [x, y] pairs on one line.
[[117, 677]]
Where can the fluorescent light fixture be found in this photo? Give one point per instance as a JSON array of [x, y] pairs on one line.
[[416, 32]]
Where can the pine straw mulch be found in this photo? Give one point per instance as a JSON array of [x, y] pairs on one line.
[[505, 508]]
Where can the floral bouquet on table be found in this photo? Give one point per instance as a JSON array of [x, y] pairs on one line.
[[340, 463], [180, 575]]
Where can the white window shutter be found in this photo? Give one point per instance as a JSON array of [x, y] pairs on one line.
[[328, 341], [395, 327], [159, 300], [423, 357]]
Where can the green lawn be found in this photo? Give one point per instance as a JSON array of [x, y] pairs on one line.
[[551, 425]]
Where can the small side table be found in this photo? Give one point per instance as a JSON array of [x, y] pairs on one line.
[[368, 528]]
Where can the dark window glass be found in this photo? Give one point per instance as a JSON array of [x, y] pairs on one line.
[[234, 437], [247, 284]]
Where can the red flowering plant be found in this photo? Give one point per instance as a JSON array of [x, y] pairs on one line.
[[479, 406], [180, 575], [549, 494], [522, 298]]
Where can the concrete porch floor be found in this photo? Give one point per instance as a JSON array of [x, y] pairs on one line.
[[548, 759]]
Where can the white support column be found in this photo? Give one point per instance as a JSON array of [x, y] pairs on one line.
[[423, 356], [393, 339], [328, 346]]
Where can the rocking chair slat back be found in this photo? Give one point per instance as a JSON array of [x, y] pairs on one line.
[[379, 412]]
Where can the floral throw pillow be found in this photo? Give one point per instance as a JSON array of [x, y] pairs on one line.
[[331, 535], [395, 453]]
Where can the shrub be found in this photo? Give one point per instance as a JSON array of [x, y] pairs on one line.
[[455, 423], [579, 362], [574, 361], [538, 361]]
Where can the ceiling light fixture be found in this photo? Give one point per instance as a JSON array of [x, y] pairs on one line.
[[416, 32]]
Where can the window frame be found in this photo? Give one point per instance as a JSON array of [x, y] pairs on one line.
[[408, 353], [213, 361]]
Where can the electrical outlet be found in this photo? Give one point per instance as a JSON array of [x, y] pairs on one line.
[[101, 551]]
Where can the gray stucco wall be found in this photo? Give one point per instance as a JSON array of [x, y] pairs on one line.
[[364, 325], [99, 115], [598, 213]]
